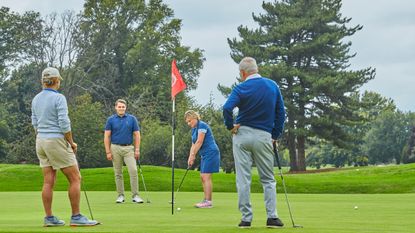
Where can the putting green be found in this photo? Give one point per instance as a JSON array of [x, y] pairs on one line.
[[319, 213]]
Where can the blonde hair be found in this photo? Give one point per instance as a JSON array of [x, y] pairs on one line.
[[49, 82], [121, 101], [192, 114]]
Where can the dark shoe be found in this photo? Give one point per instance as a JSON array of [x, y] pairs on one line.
[[274, 223], [244, 224]]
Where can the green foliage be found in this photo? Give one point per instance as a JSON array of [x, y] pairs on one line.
[[409, 149], [4, 132], [17, 93], [88, 122], [127, 49], [369, 106], [387, 137], [301, 45], [19, 37], [154, 137], [114, 49]]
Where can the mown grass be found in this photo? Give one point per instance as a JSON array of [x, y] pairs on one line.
[[318, 213], [386, 179]]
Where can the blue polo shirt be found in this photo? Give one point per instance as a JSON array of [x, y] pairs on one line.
[[122, 128], [209, 146]]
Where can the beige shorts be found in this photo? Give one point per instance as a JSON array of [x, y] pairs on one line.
[[55, 152]]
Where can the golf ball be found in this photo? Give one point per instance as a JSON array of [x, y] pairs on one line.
[[178, 209], [356, 207]]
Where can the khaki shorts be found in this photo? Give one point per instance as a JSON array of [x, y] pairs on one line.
[[55, 152]]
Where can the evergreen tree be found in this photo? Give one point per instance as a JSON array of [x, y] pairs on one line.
[[301, 45]]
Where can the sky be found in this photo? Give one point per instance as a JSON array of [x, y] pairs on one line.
[[386, 42]]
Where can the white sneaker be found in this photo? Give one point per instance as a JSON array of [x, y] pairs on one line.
[[137, 199], [120, 199]]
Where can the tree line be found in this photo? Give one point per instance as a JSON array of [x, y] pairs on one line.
[[123, 49]]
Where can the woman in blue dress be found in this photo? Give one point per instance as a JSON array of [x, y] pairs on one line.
[[203, 143]]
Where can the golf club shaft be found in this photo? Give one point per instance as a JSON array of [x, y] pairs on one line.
[[83, 188], [142, 178], [274, 145], [86, 197], [286, 198], [181, 182]]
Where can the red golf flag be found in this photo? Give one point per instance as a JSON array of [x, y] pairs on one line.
[[177, 83]]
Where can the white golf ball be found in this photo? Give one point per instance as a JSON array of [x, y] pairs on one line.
[[355, 207], [178, 209]]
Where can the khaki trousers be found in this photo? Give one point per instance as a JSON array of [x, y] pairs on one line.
[[126, 154]]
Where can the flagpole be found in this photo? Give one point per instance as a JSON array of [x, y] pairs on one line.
[[172, 155], [177, 85]]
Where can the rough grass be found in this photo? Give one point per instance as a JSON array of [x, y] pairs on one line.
[[386, 179]]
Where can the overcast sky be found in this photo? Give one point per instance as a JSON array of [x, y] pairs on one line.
[[386, 42]]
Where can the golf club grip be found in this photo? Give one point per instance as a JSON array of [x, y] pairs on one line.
[[274, 146]]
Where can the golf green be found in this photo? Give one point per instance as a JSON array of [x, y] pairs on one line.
[[318, 213]]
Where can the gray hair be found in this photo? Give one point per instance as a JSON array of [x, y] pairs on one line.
[[248, 64]]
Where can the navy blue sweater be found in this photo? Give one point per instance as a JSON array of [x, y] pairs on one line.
[[260, 106]]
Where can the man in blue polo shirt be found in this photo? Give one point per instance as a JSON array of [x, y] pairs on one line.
[[260, 121], [118, 140]]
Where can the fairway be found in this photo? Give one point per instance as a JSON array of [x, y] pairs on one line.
[[318, 213]]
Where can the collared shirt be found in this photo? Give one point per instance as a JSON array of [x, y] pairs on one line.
[[209, 144], [256, 75], [50, 114], [122, 128], [260, 105]]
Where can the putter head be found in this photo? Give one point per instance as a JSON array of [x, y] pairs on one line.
[[297, 226], [148, 201]]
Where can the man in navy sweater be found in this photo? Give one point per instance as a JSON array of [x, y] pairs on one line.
[[260, 121]]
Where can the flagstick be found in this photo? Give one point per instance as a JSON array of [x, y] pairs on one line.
[[177, 85], [172, 156]]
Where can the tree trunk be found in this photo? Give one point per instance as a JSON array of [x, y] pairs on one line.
[[301, 153], [293, 152]]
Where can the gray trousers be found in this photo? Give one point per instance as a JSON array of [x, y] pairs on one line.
[[249, 145], [124, 154]]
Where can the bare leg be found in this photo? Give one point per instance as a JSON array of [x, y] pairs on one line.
[[207, 185], [74, 190], [49, 178]]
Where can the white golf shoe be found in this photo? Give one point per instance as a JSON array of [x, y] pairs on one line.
[[137, 199], [120, 199]]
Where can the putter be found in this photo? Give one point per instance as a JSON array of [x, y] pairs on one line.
[[283, 184], [142, 178]]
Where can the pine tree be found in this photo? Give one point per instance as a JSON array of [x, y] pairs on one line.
[[301, 44]]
